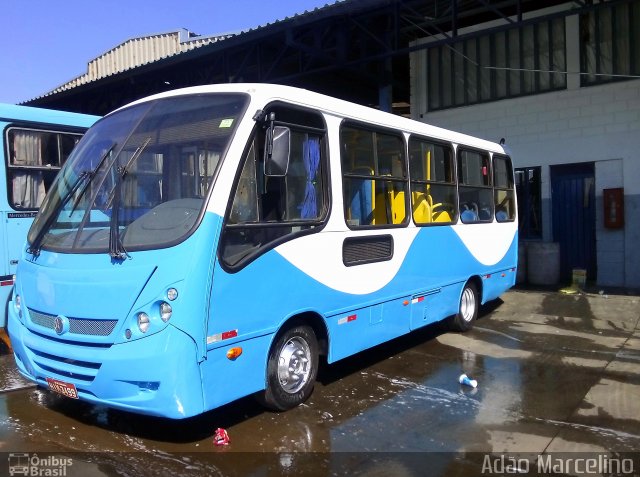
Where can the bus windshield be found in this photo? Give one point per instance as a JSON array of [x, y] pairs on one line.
[[139, 178]]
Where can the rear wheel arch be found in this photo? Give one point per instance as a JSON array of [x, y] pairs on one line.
[[477, 281], [469, 305]]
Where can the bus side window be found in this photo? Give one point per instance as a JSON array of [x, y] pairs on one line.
[[35, 157], [245, 203], [475, 191], [503, 189], [270, 209], [433, 188], [374, 177]]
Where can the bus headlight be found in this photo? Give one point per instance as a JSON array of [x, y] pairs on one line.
[[172, 294], [165, 311], [143, 322]]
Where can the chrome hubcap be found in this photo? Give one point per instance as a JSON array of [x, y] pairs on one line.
[[294, 364], [467, 305]]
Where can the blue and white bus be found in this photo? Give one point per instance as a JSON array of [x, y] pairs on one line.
[[35, 144], [212, 242]]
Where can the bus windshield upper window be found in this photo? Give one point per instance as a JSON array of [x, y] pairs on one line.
[[151, 164]]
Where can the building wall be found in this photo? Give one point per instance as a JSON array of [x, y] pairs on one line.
[[599, 124]]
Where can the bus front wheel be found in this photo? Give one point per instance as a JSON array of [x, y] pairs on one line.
[[292, 368], [468, 309]]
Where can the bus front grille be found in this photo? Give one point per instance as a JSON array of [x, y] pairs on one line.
[[78, 326], [63, 367]]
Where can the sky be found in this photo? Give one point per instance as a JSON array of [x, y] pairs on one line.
[[46, 43]]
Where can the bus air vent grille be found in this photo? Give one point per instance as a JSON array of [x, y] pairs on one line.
[[367, 249]]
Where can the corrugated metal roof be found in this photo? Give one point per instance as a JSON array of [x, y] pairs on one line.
[[147, 49], [136, 52]]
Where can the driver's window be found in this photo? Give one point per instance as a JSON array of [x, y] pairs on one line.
[[433, 188], [266, 210]]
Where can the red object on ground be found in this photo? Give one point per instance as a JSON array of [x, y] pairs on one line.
[[221, 438]]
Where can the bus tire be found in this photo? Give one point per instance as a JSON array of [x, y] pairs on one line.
[[292, 368], [468, 309]]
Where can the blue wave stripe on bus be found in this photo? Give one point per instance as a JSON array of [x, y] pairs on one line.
[[303, 291]]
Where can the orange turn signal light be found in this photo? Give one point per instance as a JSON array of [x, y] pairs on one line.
[[233, 353]]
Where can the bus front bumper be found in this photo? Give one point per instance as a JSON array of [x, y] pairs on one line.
[[156, 375]]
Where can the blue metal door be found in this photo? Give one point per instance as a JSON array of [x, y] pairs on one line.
[[574, 217]]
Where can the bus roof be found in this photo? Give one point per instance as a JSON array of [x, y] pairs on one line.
[[265, 93], [12, 112]]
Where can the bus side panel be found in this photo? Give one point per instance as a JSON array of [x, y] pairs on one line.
[[359, 329], [500, 277], [435, 305], [256, 300], [224, 379], [259, 298], [495, 284]]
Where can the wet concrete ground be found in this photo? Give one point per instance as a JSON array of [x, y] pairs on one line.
[[556, 374]]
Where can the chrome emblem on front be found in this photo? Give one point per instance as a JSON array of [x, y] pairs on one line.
[[60, 324]]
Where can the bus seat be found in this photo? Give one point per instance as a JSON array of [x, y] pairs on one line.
[[502, 216], [484, 214], [468, 216], [439, 214], [382, 208], [389, 206], [421, 208], [361, 203], [396, 199]]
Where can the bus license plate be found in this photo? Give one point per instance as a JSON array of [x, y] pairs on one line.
[[60, 387]]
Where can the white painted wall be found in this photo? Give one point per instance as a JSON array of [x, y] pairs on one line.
[[598, 124]]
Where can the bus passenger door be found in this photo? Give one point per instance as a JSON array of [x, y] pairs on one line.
[[15, 226], [16, 229]]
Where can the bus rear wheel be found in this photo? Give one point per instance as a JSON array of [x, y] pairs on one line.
[[292, 368], [468, 309]]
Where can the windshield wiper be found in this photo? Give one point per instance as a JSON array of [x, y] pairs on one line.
[[35, 246], [90, 175], [116, 247]]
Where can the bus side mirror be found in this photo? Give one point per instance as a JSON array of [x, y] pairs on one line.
[[276, 151]]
